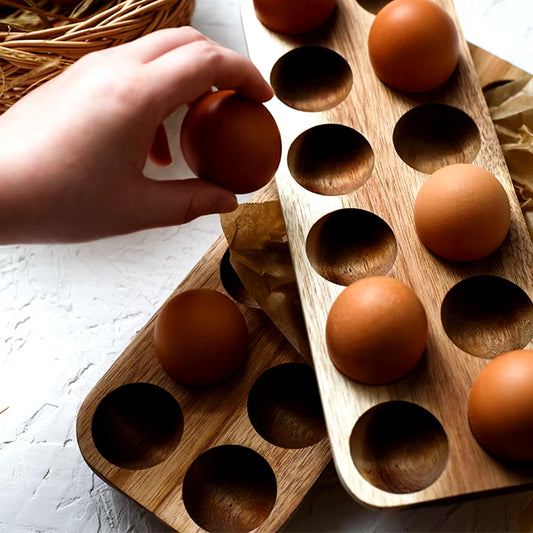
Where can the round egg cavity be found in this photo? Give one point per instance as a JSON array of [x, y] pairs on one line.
[[493, 84], [399, 447], [330, 159], [284, 406], [349, 244], [229, 488], [233, 284], [311, 78], [137, 425], [373, 6], [431, 136], [487, 315]]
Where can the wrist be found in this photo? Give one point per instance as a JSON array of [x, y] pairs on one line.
[[22, 217]]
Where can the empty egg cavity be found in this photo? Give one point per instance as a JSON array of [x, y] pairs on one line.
[[229, 488], [487, 315], [233, 284], [137, 425], [373, 6], [330, 159], [284, 406], [434, 135], [311, 78], [399, 447], [349, 244]]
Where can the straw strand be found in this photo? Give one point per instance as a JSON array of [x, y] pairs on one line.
[[42, 38]]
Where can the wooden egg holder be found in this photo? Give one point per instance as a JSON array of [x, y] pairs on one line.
[[347, 198], [192, 456]]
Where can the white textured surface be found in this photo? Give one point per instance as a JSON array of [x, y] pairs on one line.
[[68, 311]]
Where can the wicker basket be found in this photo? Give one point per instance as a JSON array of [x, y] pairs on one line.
[[38, 39]]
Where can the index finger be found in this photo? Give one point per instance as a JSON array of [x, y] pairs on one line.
[[157, 43], [186, 73]]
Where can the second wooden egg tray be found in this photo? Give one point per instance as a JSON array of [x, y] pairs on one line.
[[355, 155], [234, 457]]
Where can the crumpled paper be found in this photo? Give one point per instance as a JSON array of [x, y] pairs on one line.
[[511, 109], [259, 254]]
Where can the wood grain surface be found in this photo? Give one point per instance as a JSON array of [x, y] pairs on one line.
[[382, 458], [147, 445]]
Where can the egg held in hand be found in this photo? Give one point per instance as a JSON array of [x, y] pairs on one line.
[[294, 16], [200, 337], [500, 407], [231, 141], [462, 213], [376, 330], [413, 45]]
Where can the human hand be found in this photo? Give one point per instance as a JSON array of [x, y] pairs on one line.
[[73, 150]]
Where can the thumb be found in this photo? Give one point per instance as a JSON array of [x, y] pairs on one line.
[[169, 203]]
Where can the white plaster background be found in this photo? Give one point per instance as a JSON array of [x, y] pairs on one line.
[[68, 311]]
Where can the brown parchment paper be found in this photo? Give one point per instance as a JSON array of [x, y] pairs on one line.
[[257, 238], [511, 109], [259, 254]]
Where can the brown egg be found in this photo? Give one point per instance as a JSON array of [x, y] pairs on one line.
[[294, 16], [376, 330], [500, 407], [231, 141], [462, 213], [200, 337], [413, 45]]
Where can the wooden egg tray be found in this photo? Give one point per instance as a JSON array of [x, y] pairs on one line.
[[192, 456], [355, 154]]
